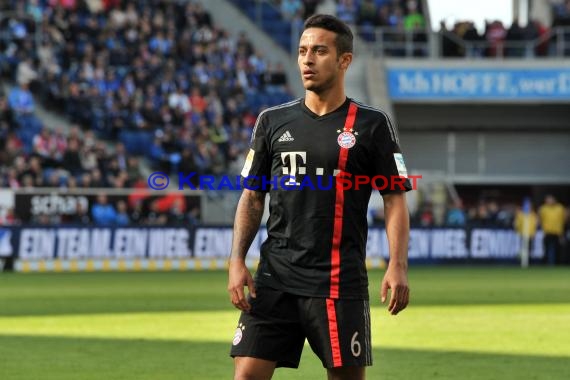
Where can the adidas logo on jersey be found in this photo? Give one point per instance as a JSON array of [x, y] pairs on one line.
[[286, 137]]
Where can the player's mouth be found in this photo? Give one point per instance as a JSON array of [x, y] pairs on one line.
[[308, 74]]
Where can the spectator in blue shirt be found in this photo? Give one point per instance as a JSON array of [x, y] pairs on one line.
[[455, 215], [123, 218], [21, 100], [102, 212]]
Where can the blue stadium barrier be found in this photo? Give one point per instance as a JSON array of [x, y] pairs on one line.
[[271, 21], [427, 245]]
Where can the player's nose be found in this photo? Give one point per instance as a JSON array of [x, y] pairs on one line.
[[308, 59]]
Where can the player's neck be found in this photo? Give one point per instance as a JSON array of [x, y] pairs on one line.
[[326, 102]]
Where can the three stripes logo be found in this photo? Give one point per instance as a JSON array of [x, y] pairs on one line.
[[285, 137]]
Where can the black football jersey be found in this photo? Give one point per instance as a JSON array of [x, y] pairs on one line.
[[315, 170]]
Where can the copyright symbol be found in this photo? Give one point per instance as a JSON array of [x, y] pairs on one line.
[[158, 181]]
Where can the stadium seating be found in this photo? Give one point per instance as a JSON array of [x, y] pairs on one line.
[[271, 19], [100, 73]]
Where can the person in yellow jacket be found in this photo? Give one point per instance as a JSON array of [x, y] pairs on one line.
[[552, 215], [526, 224]]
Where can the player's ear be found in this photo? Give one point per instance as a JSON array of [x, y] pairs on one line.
[[345, 60]]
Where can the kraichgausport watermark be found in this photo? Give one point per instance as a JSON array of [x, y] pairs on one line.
[[342, 180]]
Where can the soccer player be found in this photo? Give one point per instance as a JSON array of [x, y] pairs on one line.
[[311, 282]]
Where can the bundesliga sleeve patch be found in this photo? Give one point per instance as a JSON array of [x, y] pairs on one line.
[[248, 163], [400, 165]]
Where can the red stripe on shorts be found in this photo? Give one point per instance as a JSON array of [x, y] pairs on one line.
[[333, 333]]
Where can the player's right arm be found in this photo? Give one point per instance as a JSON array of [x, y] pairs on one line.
[[248, 218], [248, 214]]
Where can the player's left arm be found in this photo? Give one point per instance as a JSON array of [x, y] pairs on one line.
[[398, 231]]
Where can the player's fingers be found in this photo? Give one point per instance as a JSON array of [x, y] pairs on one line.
[[405, 298], [232, 294], [384, 290], [242, 300], [393, 299], [401, 295], [251, 286], [235, 298], [232, 291]]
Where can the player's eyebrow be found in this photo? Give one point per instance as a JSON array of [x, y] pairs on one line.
[[303, 46]]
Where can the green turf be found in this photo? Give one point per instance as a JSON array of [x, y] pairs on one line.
[[463, 323]]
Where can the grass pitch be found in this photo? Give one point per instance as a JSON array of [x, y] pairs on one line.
[[463, 323]]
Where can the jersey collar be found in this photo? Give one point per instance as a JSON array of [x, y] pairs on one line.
[[342, 109]]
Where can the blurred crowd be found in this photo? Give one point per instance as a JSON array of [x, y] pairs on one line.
[[404, 31], [136, 210], [402, 14], [139, 208], [297, 9], [484, 213], [405, 15], [551, 216], [402, 23], [498, 40], [156, 75], [155, 79], [59, 160]]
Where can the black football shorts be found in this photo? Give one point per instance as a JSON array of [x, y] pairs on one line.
[[275, 329]]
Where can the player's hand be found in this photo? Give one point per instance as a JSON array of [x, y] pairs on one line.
[[396, 279], [239, 277]]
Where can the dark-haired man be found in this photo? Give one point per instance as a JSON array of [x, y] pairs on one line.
[[311, 282]]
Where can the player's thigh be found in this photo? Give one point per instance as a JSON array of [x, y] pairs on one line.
[[271, 331], [346, 373], [338, 331], [247, 368]]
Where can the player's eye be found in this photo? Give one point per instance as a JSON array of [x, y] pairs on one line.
[[302, 52]]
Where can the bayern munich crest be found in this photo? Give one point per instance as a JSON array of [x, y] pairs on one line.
[[238, 334], [346, 140], [237, 337]]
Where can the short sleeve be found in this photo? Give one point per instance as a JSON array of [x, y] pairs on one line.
[[257, 163], [388, 159]]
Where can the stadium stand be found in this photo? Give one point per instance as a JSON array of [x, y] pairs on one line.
[[389, 24], [465, 41], [125, 73], [120, 72], [392, 26], [280, 19], [190, 83], [160, 81]]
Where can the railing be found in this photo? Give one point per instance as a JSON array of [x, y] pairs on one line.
[[384, 41], [553, 44]]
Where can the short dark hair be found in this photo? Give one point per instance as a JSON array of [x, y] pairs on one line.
[[344, 36]]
